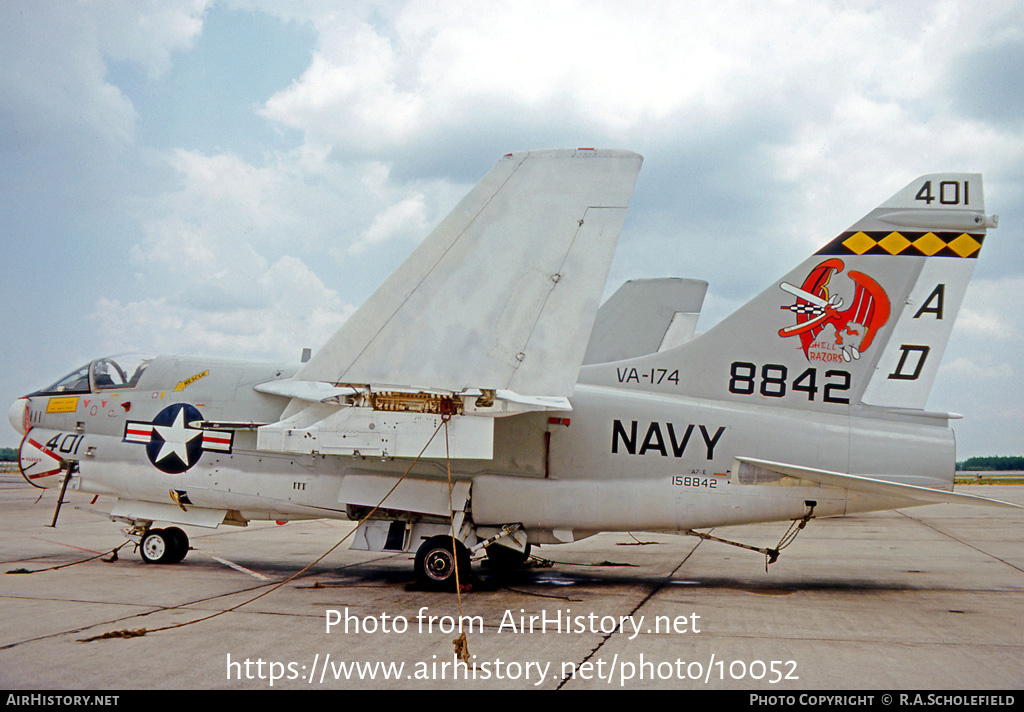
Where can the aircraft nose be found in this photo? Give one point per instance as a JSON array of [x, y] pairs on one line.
[[18, 413]]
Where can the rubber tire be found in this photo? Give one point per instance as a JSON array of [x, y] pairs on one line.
[[156, 547], [502, 558], [435, 563], [179, 544]]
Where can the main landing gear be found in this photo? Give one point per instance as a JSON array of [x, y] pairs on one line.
[[439, 556], [437, 560], [164, 546], [503, 559]]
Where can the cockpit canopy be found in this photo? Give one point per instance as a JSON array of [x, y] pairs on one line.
[[106, 373]]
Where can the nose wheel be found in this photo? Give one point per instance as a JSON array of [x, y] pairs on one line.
[[437, 560], [164, 546]]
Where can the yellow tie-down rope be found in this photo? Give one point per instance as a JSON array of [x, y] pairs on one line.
[[461, 648], [460, 643]]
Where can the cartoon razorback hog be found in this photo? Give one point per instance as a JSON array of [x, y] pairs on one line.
[[815, 309]]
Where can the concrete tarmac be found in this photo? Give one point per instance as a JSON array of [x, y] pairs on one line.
[[923, 598]]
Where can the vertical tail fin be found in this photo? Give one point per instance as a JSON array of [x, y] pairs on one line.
[[864, 320], [504, 292]]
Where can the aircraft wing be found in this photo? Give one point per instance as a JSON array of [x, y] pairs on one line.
[[504, 292], [871, 485]]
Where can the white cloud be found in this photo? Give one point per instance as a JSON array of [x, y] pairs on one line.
[[376, 84], [146, 32], [224, 263], [54, 82], [300, 202], [404, 217], [436, 65], [980, 375], [292, 309], [992, 311]]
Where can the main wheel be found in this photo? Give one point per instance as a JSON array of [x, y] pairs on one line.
[[436, 562], [502, 558], [157, 547], [179, 544]]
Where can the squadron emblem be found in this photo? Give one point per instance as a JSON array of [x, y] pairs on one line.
[[826, 333]]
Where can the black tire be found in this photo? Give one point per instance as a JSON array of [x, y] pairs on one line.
[[156, 547], [436, 563], [179, 544], [502, 558]]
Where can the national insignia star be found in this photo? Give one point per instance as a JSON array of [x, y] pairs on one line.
[[176, 438]]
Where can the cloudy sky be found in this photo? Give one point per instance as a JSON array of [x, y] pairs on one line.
[[234, 178]]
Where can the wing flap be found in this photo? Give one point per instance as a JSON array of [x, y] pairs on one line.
[[158, 512], [412, 494]]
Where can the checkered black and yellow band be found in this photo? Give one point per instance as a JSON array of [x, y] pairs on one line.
[[915, 244]]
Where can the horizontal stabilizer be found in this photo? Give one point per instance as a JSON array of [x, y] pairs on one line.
[[645, 316], [503, 293], [871, 485]]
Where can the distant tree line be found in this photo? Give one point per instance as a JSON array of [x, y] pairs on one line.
[[8, 454], [994, 463]]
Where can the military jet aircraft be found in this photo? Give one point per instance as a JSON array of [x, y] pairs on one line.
[[480, 401]]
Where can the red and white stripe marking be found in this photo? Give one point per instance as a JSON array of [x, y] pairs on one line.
[[217, 441], [138, 432]]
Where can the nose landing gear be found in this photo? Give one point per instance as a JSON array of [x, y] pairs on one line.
[[164, 546]]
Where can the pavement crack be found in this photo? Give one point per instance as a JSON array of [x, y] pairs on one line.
[[604, 639], [960, 541]]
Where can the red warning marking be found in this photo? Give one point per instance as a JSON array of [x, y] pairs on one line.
[[58, 543], [42, 451]]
